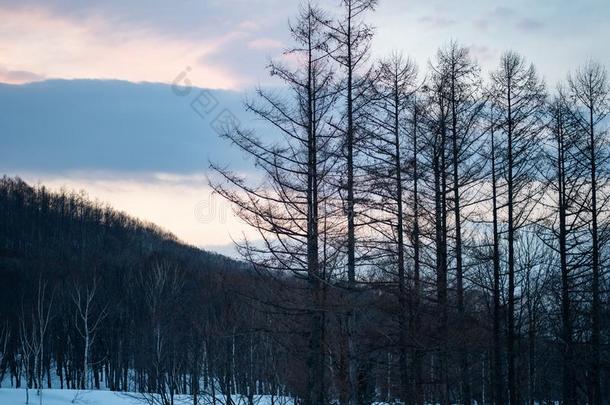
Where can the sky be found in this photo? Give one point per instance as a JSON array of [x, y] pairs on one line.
[[129, 138]]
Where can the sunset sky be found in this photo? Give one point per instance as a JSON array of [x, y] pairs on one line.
[[224, 44]]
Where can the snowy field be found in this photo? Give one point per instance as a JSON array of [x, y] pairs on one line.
[[13, 396]]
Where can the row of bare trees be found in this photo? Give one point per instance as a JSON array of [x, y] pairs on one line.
[[477, 201]]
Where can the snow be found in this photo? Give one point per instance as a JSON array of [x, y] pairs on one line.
[[14, 396]]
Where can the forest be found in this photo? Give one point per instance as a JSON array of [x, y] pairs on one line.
[[427, 233]]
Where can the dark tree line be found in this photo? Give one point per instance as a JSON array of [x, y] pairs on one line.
[[451, 225]]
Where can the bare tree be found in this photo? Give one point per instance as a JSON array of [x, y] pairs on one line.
[[416, 286], [497, 376], [518, 96], [87, 321], [464, 95], [163, 286], [589, 88], [5, 337], [294, 200], [396, 84], [33, 330], [348, 44], [566, 178], [436, 152], [27, 346]]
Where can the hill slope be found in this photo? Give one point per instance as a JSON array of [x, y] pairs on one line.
[[92, 298]]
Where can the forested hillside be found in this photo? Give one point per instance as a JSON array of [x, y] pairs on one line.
[[87, 290]]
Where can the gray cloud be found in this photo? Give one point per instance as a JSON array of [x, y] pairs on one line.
[[502, 12], [59, 125], [529, 24], [481, 24], [502, 15], [437, 21], [483, 53]]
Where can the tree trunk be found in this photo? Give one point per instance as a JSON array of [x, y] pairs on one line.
[[498, 392]]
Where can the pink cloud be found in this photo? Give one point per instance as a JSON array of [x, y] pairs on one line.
[[34, 40], [248, 25], [18, 76]]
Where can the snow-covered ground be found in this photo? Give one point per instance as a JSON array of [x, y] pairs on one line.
[[13, 396]]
